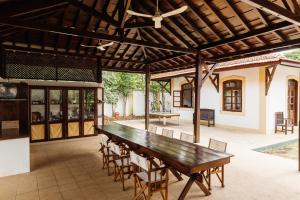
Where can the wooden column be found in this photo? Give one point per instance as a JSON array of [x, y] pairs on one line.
[[147, 91], [99, 71], [198, 85], [2, 70]]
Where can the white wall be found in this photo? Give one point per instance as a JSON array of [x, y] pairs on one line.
[[276, 100], [210, 98], [14, 156]]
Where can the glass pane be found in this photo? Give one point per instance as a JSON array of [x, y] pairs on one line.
[[89, 104], [236, 93], [37, 105], [227, 99], [227, 107], [73, 104], [227, 93], [187, 98], [55, 101]]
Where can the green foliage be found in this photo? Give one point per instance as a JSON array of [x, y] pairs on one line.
[[121, 85], [295, 54]]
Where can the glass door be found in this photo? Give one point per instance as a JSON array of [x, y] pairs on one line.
[[73, 113], [88, 111], [38, 110], [55, 113]]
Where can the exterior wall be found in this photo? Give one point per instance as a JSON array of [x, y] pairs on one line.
[[210, 98], [276, 100]]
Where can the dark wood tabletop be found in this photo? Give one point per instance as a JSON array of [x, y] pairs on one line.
[[187, 158]]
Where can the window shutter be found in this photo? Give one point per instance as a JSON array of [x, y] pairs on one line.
[[176, 98]]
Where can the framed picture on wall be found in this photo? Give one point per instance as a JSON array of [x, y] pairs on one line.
[[8, 91]]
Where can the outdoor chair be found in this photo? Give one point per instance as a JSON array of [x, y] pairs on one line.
[[219, 171], [122, 163], [152, 129], [284, 123], [148, 179], [167, 132], [186, 137], [107, 155]]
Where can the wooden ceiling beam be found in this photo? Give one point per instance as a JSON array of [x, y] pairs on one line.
[[102, 16], [13, 9], [47, 51], [93, 35], [275, 10]]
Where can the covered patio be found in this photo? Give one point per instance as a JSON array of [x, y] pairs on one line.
[[52, 56]]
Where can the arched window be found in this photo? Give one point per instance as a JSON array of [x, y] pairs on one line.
[[186, 95], [232, 95]]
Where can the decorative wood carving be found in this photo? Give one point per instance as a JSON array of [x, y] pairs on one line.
[[269, 71]]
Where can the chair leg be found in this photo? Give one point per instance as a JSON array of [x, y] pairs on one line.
[[285, 127], [223, 171], [122, 178], [209, 179]]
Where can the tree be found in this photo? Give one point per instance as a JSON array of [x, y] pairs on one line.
[[110, 96], [295, 54], [121, 85]]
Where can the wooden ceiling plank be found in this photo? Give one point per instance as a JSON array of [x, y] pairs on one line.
[[202, 18], [86, 25], [95, 13], [275, 10]]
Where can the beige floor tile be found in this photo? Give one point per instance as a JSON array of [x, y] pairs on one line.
[[73, 195], [68, 186], [46, 183], [28, 196]]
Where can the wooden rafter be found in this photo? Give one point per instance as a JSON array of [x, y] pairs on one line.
[[276, 10], [95, 13], [87, 34], [269, 73], [215, 80]]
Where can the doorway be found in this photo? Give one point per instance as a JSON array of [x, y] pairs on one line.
[[292, 100]]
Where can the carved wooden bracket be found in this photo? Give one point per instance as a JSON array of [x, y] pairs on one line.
[[164, 85], [215, 80], [269, 71], [190, 80]]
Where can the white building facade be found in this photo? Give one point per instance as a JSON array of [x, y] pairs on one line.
[[256, 95]]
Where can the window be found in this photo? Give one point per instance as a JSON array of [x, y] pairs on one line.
[[232, 95], [186, 95]]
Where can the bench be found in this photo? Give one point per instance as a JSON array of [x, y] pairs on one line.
[[207, 115]]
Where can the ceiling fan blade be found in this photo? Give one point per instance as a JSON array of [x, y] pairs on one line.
[[131, 12], [108, 44], [175, 12], [87, 46]]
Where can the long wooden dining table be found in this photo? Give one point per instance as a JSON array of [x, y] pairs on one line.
[[187, 158]]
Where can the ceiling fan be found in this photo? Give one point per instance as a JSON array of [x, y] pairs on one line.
[[99, 46], [158, 17]]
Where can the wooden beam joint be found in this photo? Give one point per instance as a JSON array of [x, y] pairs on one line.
[[269, 73]]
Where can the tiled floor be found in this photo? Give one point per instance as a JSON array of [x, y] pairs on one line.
[[72, 170]]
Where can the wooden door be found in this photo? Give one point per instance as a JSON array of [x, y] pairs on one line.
[[293, 100]]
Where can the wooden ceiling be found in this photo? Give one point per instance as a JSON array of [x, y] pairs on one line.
[[221, 30]]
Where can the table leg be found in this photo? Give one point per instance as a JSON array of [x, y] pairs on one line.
[[176, 174], [186, 188], [178, 120], [199, 182], [165, 121]]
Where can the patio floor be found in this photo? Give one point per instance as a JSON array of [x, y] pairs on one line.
[[71, 169]]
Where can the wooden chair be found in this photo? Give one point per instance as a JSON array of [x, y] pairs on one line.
[[219, 171], [186, 137], [167, 132], [282, 122], [107, 155], [122, 163], [152, 129], [149, 179]]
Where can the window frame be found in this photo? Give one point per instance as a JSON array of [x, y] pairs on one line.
[[191, 95], [238, 87]]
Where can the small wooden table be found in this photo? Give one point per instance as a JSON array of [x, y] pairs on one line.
[[165, 115], [187, 158]]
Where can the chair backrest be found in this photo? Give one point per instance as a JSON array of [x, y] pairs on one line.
[[139, 161], [186, 137], [279, 118], [103, 139], [152, 129], [167, 132], [116, 149], [134, 158], [217, 145]]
